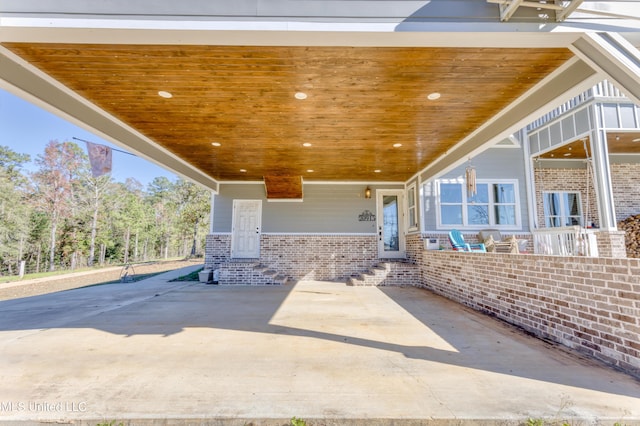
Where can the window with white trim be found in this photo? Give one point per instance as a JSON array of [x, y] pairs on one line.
[[412, 212], [495, 204], [561, 209]]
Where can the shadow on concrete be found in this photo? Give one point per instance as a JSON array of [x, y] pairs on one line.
[[376, 318]]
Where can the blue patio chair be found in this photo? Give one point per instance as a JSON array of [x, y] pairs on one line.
[[457, 242]]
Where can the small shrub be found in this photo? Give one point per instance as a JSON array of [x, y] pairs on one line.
[[297, 422]]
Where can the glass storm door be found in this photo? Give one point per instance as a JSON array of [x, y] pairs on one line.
[[390, 222]]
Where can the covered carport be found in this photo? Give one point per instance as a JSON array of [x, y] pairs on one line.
[[221, 92]]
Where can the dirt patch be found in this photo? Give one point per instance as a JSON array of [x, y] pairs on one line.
[[83, 279]]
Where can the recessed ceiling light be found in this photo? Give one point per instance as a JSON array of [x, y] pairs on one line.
[[568, 154], [307, 144], [310, 171], [165, 94], [397, 145], [377, 171], [433, 96], [635, 140], [243, 170], [216, 143], [300, 95]]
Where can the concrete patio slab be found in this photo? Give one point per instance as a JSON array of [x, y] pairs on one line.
[[157, 352]]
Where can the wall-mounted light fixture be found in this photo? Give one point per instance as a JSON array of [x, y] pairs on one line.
[[367, 192]]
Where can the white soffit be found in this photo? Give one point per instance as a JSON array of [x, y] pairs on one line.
[[24, 80]]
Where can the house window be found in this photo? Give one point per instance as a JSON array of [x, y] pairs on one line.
[[561, 209], [412, 216], [494, 204]]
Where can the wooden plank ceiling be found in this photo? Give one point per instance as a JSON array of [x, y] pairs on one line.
[[617, 143], [234, 113]]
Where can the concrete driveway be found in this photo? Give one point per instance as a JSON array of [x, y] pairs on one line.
[[155, 352]]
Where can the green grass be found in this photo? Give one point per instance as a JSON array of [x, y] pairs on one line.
[[13, 278], [193, 276]]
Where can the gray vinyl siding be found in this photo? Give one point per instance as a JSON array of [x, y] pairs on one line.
[[325, 208], [494, 163]]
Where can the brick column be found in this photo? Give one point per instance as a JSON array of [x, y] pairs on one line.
[[611, 244]]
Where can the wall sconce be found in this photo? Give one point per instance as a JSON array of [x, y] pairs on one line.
[[367, 192]]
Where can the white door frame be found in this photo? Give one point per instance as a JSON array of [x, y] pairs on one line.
[[398, 242], [246, 230]]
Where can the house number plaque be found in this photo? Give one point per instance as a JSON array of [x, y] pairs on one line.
[[366, 216]]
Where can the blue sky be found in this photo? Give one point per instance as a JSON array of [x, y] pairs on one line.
[[26, 128]]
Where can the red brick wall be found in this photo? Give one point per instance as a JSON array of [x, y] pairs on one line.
[[319, 257], [625, 182], [314, 257], [589, 304], [567, 180]]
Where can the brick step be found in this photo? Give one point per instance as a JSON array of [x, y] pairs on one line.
[[400, 273]]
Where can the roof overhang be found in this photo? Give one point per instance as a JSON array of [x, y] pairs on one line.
[[36, 84]]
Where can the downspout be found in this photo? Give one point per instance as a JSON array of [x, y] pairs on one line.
[[211, 206], [530, 180]]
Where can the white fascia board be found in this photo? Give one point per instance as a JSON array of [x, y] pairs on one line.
[[616, 58], [261, 33], [24, 80], [567, 81], [318, 182]]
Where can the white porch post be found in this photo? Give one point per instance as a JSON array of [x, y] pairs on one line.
[[530, 181], [619, 61], [213, 202], [611, 242], [601, 171]]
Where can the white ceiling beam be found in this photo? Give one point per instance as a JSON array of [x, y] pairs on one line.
[[563, 12], [608, 14], [508, 9], [573, 78], [614, 57], [568, 10], [531, 4]]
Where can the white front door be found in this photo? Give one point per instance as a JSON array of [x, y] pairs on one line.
[[390, 221], [245, 229]]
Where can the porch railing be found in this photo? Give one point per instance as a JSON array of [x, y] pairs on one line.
[[565, 241]]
